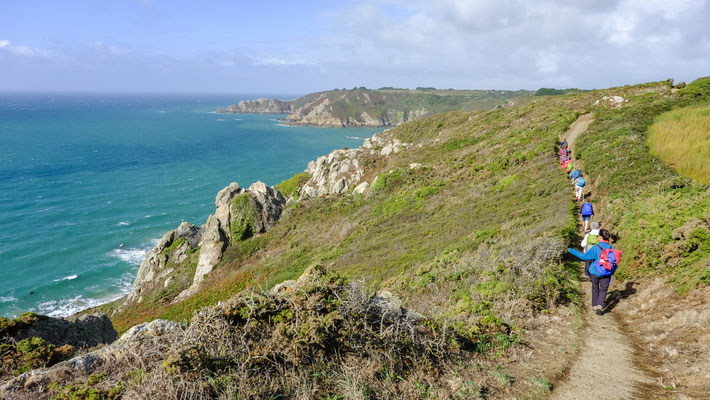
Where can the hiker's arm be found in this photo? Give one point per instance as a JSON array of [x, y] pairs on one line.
[[583, 256]]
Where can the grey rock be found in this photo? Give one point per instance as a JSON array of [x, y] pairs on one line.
[[361, 188], [79, 331], [390, 307]]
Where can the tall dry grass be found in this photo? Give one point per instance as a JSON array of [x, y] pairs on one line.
[[681, 138]]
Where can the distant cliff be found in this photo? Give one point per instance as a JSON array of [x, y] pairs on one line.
[[365, 107]]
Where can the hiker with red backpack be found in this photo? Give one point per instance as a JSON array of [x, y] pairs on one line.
[[605, 262]]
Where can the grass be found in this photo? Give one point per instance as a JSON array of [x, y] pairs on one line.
[[681, 138], [291, 186]]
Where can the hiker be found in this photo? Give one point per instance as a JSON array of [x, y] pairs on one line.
[[579, 188], [569, 167], [564, 164], [563, 145], [587, 211], [590, 239], [575, 174], [602, 268]]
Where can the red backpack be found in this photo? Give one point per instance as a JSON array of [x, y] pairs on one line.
[[604, 258]]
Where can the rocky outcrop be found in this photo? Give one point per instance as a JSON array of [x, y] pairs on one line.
[[201, 248], [343, 170], [615, 101], [261, 105], [239, 214], [160, 263], [142, 342], [81, 331]]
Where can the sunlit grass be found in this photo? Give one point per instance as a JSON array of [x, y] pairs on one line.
[[681, 138]]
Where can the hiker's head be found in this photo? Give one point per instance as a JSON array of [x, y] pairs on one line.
[[595, 225], [605, 234]]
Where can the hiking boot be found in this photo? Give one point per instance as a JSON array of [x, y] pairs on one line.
[[600, 311]]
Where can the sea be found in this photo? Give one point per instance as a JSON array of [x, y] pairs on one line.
[[90, 182]]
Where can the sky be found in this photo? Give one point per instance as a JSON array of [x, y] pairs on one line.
[[297, 47]]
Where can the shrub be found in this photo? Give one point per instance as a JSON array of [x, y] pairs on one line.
[[244, 217]]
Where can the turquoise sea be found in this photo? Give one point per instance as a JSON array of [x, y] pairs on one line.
[[88, 183]]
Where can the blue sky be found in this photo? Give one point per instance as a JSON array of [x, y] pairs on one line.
[[298, 47]]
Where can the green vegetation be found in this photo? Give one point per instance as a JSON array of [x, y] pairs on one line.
[[659, 216], [555, 92], [244, 217], [291, 186], [681, 138]]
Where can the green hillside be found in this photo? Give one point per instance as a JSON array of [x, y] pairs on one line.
[[662, 219]]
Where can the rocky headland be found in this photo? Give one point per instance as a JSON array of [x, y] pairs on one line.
[[376, 108]]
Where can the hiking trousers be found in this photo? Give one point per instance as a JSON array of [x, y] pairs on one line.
[[600, 285]]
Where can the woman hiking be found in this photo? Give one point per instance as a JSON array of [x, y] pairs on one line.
[[598, 272]]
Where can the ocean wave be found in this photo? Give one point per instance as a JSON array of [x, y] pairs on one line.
[[211, 112], [67, 278], [133, 255], [237, 119], [221, 119], [69, 306], [7, 299], [355, 137], [123, 223]]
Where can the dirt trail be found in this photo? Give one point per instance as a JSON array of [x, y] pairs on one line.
[[577, 128], [605, 368]]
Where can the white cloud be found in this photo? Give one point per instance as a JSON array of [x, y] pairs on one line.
[[23, 51]]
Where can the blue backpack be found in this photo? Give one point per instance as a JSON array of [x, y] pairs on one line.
[[575, 174], [587, 209], [581, 182]]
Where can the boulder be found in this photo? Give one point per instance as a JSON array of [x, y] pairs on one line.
[[390, 307], [362, 187]]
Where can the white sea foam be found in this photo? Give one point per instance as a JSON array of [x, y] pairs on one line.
[[211, 112], [7, 299], [67, 278], [123, 223], [70, 306], [237, 119], [221, 119], [133, 255]]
